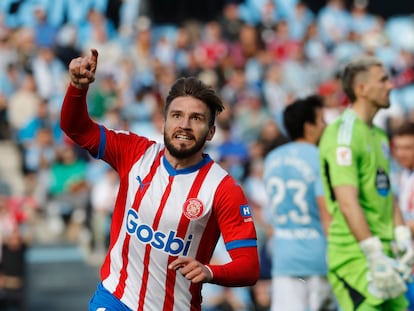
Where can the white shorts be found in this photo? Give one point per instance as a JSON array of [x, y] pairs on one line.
[[312, 293]]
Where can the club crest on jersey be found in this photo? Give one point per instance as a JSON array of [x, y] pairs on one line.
[[193, 208]]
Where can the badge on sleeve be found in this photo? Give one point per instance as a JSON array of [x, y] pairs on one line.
[[344, 156]]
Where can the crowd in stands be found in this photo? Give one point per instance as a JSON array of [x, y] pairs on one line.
[[259, 55]]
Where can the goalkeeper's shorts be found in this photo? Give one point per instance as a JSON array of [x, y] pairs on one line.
[[348, 277]]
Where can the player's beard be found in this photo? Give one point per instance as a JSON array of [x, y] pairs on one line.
[[182, 153]]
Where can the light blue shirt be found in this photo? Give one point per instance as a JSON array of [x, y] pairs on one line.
[[293, 183]]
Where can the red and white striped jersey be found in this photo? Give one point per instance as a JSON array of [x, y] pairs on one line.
[[162, 213], [406, 194]]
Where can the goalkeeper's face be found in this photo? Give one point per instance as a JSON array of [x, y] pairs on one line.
[[403, 148]]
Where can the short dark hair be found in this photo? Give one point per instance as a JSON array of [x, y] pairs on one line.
[[353, 69], [406, 128], [191, 86], [302, 110]]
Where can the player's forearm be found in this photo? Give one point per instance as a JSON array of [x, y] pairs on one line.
[[243, 270], [347, 197], [75, 120]]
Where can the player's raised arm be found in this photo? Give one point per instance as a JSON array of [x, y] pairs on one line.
[[75, 120]]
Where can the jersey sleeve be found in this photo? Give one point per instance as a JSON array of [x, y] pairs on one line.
[[340, 158], [237, 227], [234, 215], [121, 149], [75, 121], [118, 148]]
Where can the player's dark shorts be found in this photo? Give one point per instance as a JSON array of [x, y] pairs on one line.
[[103, 300]]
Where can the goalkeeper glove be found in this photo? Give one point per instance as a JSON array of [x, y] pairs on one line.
[[404, 251], [384, 280]]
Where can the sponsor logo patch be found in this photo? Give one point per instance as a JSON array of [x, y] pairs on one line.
[[382, 182], [245, 211], [168, 242]]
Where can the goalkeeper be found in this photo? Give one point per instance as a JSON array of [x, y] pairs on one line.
[[366, 272]]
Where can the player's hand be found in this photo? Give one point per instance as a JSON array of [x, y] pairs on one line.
[[404, 251], [82, 70], [191, 269], [384, 279]]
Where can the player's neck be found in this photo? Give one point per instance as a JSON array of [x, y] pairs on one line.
[[305, 140], [365, 112], [178, 163]]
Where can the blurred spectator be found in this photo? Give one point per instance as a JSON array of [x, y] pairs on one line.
[[66, 47], [281, 45], [274, 94], [315, 49], [230, 21], [403, 150], [299, 20], [333, 99], [232, 152], [97, 32], [44, 31], [42, 119], [361, 21], [271, 136], [48, 73], [23, 103], [140, 51], [245, 52], [297, 65], [250, 115], [345, 50], [212, 48], [5, 130], [68, 193], [129, 12], [103, 96], [103, 196], [23, 40], [269, 18], [333, 22], [13, 272], [8, 55], [183, 48], [10, 79], [14, 239]]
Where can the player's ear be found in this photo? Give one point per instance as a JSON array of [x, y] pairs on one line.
[[211, 132]]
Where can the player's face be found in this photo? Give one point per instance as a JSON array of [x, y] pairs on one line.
[[378, 87], [186, 127], [403, 148]]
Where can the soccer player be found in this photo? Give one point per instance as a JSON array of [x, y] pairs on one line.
[[173, 202], [355, 165], [293, 183], [403, 150]]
